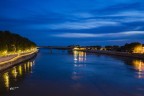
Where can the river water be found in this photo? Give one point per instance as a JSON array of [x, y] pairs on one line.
[[63, 73]]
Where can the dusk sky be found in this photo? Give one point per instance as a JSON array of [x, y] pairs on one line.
[[66, 22]]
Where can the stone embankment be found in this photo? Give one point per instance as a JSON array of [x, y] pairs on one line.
[[18, 60]]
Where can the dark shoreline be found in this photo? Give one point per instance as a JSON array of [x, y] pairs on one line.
[[16, 62], [122, 54]]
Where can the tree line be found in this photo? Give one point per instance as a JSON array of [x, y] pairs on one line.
[[134, 47], [11, 43]]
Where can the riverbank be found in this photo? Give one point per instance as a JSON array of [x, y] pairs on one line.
[[124, 54], [7, 58], [15, 60]]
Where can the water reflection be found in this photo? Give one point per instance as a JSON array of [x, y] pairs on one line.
[[79, 56], [139, 66], [79, 64], [14, 72], [80, 74], [6, 80], [136, 64], [11, 77], [20, 70]]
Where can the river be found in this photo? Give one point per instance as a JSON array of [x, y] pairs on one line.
[[63, 73]]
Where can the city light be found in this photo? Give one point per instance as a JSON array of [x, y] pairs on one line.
[[138, 49], [79, 48], [19, 56]]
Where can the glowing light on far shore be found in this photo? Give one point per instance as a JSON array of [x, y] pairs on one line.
[[79, 48], [138, 49]]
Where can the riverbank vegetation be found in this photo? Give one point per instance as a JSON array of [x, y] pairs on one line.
[[134, 47], [11, 43]]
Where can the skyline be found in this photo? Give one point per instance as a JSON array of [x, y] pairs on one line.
[[66, 22]]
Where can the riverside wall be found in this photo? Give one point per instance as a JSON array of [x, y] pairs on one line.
[[19, 60], [124, 54]]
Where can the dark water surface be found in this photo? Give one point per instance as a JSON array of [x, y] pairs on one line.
[[75, 73]]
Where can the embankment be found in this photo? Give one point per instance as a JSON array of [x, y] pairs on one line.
[[17, 61], [124, 54]]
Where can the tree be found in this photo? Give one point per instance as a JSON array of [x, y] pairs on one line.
[[134, 47], [12, 43]]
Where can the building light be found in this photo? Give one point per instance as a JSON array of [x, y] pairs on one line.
[[75, 48], [138, 49]]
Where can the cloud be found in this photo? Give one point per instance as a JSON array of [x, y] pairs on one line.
[[83, 15], [138, 28], [122, 16], [90, 35], [85, 24], [127, 16], [130, 14], [74, 35]]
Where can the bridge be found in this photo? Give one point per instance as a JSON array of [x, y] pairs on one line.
[[57, 47], [66, 47]]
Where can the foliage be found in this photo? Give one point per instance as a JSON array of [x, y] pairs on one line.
[[112, 48], [134, 47], [14, 43]]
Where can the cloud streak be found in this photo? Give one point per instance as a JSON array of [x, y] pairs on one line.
[[77, 25], [129, 14], [85, 21], [89, 35]]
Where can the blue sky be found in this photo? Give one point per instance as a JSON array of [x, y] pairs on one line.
[[66, 22]]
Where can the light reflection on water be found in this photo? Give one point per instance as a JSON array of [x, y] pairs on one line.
[[139, 67], [11, 77], [14, 72], [6, 80], [79, 63], [75, 74], [79, 56], [80, 59]]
